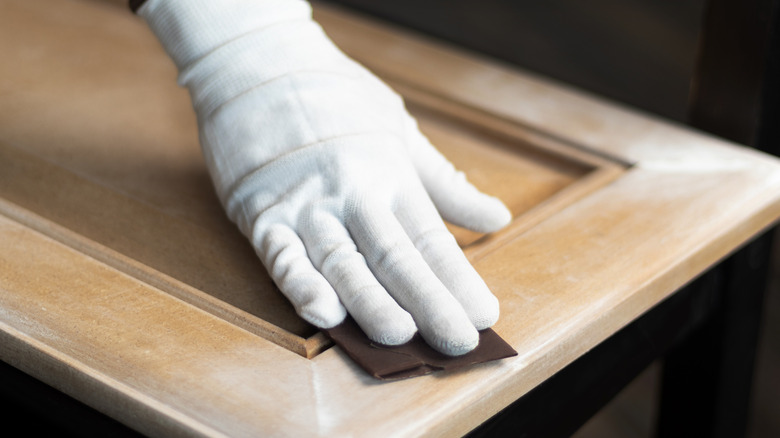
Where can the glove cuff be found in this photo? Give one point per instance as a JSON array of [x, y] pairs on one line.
[[189, 30], [224, 48]]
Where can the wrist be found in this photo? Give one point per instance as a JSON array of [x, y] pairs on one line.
[[188, 30], [223, 48]]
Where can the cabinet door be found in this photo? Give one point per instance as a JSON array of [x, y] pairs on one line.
[[125, 285]]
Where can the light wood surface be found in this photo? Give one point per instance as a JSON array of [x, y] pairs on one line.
[[124, 285]]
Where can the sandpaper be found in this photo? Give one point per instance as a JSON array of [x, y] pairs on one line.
[[415, 358]]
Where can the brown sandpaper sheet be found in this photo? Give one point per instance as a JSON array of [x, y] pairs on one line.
[[415, 358]]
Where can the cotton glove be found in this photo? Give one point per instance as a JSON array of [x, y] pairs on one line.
[[322, 168]]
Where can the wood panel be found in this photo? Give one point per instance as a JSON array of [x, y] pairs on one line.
[[132, 183], [124, 285]]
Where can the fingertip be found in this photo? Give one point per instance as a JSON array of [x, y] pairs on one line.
[[391, 331], [469, 208], [485, 315], [449, 332], [456, 343], [502, 216], [493, 215], [323, 312]]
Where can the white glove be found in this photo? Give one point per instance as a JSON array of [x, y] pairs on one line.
[[322, 168]]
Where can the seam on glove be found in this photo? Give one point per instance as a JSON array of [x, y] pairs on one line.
[[237, 192]]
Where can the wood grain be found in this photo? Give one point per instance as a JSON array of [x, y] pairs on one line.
[[132, 183], [124, 285]]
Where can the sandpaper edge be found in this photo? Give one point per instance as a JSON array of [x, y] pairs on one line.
[[415, 358]]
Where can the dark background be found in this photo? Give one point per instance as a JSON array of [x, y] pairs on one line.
[[639, 52]]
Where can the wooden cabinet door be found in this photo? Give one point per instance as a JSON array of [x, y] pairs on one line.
[[124, 284]]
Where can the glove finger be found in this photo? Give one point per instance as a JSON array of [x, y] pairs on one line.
[[284, 255], [445, 258], [456, 199], [398, 265], [335, 255]]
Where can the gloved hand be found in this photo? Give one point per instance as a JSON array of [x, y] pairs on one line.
[[322, 168]]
